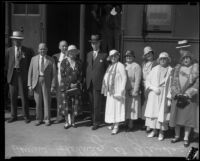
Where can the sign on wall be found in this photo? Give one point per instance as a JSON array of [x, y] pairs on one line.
[[158, 18]]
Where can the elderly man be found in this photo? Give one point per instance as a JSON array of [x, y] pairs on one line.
[[41, 79], [58, 59], [17, 62], [96, 67]]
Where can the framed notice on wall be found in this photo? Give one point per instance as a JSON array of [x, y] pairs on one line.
[[158, 18]]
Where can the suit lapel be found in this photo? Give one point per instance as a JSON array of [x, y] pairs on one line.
[[37, 60], [97, 59], [46, 63], [12, 56]]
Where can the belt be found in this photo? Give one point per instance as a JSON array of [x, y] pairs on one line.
[[41, 75], [17, 69]]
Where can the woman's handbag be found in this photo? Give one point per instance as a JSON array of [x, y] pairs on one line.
[[182, 101], [73, 91]]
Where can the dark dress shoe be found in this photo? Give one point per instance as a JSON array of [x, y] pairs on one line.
[[26, 120], [48, 123], [12, 120], [74, 125], [95, 127], [186, 143], [38, 123], [58, 121], [174, 140]]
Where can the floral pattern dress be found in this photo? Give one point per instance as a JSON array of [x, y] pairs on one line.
[[69, 75]]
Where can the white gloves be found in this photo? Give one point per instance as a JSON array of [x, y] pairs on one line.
[[169, 102]]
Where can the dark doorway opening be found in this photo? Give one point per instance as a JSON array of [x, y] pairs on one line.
[[62, 24]]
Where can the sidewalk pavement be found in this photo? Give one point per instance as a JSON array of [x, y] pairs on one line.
[[23, 139]]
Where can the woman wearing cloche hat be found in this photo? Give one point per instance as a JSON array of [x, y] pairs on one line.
[[113, 87], [147, 65], [184, 92], [133, 97], [71, 79], [157, 107]]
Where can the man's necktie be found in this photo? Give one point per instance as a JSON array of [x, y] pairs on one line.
[[18, 56], [94, 55], [42, 64], [18, 53]]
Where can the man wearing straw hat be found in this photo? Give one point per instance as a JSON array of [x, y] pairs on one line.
[[17, 63], [96, 67]]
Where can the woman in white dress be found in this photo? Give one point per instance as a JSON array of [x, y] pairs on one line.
[[157, 108], [114, 88], [147, 65], [133, 97]]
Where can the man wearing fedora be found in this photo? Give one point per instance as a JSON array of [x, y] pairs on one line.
[[63, 45], [17, 60], [96, 67]]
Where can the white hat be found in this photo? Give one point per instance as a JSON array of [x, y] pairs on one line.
[[17, 35], [147, 49], [112, 52], [164, 55], [72, 49], [183, 44]]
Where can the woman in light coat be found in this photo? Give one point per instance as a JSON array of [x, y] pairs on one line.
[[133, 97], [185, 83], [157, 108], [147, 65], [114, 88]]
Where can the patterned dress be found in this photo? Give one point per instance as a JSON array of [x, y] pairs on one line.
[[69, 75]]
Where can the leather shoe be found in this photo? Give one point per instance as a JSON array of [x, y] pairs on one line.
[[57, 121], [12, 120], [174, 140], [26, 120], [186, 143], [48, 123], [38, 123], [94, 127], [74, 125]]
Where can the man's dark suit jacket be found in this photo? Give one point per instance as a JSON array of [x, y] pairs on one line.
[[95, 70], [24, 63]]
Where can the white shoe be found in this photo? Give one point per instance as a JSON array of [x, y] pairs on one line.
[[66, 125], [110, 127], [115, 131], [69, 119], [152, 134], [161, 137]]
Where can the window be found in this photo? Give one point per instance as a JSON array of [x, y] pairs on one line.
[[25, 9], [159, 18]]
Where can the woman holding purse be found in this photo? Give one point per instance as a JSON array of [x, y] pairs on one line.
[[184, 90], [71, 79]]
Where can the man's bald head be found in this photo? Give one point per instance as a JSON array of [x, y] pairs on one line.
[[42, 49], [63, 45]]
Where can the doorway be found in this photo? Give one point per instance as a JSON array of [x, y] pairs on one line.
[[62, 24]]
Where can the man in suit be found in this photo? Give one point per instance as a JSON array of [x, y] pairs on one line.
[[41, 79], [63, 45], [96, 67], [17, 60]]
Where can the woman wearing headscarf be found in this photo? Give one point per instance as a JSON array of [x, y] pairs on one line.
[[147, 65], [184, 92], [114, 88], [133, 97], [71, 80], [157, 107]]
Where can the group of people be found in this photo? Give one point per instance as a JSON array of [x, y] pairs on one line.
[[154, 91]]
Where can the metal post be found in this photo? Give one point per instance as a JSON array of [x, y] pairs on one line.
[[82, 32]]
